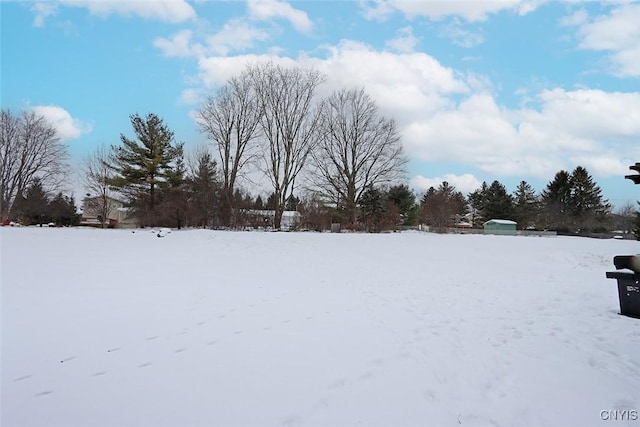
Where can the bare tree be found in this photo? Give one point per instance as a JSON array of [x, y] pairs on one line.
[[289, 121], [230, 120], [97, 174], [443, 207], [357, 149], [29, 149], [624, 217]]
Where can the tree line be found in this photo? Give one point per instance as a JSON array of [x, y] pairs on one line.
[[333, 159], [268, 120], [571, 202]]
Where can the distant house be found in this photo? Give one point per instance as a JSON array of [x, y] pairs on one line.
[[500, 226], [117, 214]]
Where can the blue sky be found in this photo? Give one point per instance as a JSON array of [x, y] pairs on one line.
[[509, 90]]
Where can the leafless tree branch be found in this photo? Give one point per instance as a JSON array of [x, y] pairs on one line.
[[289, 120], [29, 149], [357, 148]]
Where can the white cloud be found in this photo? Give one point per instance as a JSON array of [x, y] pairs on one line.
[[449, 117], [590, 113], [179, 45], [579, 17], [378, 10], [42, 11], [465, 183], [66, 126], [470, 10], [459, 36], [588, 127], [235, 35], [617, 33], [403, 84], [268, 9], [190, 96], [404, 42], [173, 11]]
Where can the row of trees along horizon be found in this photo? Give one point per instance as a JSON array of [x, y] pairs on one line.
[[335, 159]]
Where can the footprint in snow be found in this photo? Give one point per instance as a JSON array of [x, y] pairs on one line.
[[43, 393], [22, 378], [144, 365], [429, 395], [98, 374]]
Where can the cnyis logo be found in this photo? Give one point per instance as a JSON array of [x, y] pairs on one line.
[[619, 415]]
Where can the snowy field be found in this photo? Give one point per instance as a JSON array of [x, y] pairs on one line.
[[204, 328]]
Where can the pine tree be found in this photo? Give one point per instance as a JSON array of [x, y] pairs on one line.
[[526, 205], [272, 201], [144, 166], [372, 208], [32, 207], [556, 202], [402, 197], [62, 210], [574, 202], [292, 203], [205, 190], [497, 203], [258, 204], [476, 201], [588, 208], [636, 225], [174, 196]]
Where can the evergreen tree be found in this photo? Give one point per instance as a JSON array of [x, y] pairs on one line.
[[636, 225], [574, 202], [402, 197], [32, 207], [292, 203], [372, 208], [205, 189], [144, 166], [272, 201], [526, 205], [588, 209], [556, 202], [62, 210], [174, 196], [497, 203], [258, 204], [476, 201]]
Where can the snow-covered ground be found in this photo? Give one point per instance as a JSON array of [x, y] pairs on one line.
[[203, 328]]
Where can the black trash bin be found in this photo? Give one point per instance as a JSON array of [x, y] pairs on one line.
[[628, 284]]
